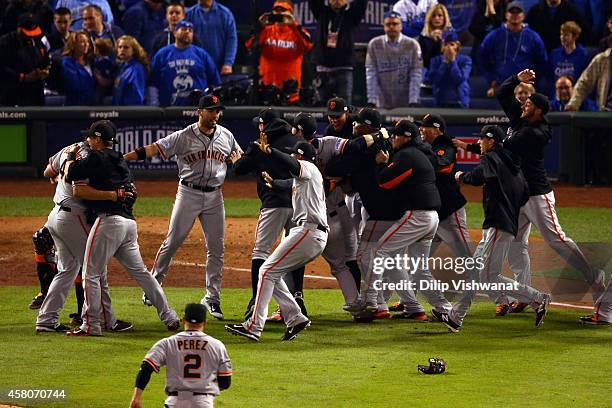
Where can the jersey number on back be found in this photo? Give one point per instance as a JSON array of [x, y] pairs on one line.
[[192, 362]]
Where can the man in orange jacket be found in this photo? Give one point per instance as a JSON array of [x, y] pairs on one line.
[[282, 44]]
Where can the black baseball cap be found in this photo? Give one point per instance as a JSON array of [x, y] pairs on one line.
[[306, 123], [405, 128], [305, 149], [336, 107], [540, 101], [369, 116], [210, 102], [433, 120], [514, 5], [195, 313], [104, 129], [266, 116], [492, 132]]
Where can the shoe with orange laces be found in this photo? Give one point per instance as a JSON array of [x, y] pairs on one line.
[[276, 317], [518, 307], [80, 333], [592, 320], [502, 310], [396, 307], [418, 316]]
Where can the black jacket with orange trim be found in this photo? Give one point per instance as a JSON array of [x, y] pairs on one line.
[[445, 155], [412, 178]]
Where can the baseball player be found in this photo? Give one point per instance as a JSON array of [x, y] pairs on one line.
[[361, 168], [305, 242], [452, 228], [67, 228], [530, 135], [504, 192], [202, 151], [275, 212], [410, 176], [340, 119], [197, 365], [111, 194]]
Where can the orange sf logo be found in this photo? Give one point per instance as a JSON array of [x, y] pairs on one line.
[[440, 152], [332, 105], [215, 99]]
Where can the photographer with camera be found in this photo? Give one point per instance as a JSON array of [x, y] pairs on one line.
[[281, 43]]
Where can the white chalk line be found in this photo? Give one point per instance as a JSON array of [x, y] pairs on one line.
[[231, 268]]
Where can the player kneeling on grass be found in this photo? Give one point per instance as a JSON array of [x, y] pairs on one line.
[[505, 191], [198, 366], [304, 243]]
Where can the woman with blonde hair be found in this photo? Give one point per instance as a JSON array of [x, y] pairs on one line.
[[79, 79], [130, 82], [437, 21]]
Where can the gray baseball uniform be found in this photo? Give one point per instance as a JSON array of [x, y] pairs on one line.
[[68, 226], [193, 361], [304, 243], [202, 168]]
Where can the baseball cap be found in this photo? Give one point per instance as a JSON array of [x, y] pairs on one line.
[[104, 129], [210, 102], [369, 116], [405, 128], [283, 5], [305, 149], [28, 25], [515, 4], [392, 14], [450, 36], [336, 107], [492, 132], [306, 123], [540, 101], [184, 23], [266, 116], [195, 313], [433, 120]]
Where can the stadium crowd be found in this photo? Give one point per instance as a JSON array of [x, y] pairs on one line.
[[432, 53]]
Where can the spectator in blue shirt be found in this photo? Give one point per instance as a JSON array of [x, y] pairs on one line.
[[77, 7], [215, 27], [570, 59], [96, 28], [510, 49], [448, 74], [130, 83], [143, 21], [180, 68], [78, 76], [564, 89]]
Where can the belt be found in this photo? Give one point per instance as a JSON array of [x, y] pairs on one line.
[[317, 226], [175, 393], [206, 189]]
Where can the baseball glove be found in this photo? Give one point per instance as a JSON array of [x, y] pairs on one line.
[[127, 195], [436, 366]]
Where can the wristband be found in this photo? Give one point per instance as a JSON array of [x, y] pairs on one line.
[[141, 152]]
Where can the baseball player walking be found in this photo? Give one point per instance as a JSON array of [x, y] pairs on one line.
[[68, 227], [304, 243], [111, 195], [202, 151], [275, 212], [504, 192], [529, 137], [197, 365]]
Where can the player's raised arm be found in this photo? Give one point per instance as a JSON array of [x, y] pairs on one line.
[[142, 153], [292, 165]]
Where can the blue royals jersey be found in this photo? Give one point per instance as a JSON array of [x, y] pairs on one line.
[[176, 72]]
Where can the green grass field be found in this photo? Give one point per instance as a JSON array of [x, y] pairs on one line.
[[335, 363]]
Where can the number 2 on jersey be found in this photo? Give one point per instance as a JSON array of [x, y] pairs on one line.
[[192, 362]]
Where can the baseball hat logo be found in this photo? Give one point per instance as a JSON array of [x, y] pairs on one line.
[[215, 99], [332, 105]]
